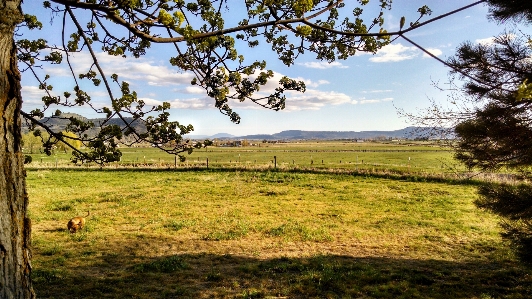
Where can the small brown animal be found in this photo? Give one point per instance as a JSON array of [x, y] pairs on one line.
[[77, 223]]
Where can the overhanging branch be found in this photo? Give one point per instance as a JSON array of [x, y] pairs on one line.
[[110, 13], [57, 136], [400, 32]]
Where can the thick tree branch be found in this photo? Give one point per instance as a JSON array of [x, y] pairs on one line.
[[305, 20], [346, 33]]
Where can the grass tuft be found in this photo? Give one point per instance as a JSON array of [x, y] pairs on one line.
[[178, 225], [252, 294], [165, 265], [52, 249], [40, 276], [214, 275], [61, 206], [298, 231]]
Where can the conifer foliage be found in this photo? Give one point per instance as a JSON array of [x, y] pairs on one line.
[[497, 134]]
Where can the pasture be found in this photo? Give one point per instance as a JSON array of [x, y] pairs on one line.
[[229, 233], [401, 157]]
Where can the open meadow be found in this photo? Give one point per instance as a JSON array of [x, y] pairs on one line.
[[264, 233], [313, 219]]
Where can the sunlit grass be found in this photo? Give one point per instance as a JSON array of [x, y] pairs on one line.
[[226, 234], [403, 157]]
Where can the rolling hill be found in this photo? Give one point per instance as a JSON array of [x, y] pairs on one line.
[[59, 124]]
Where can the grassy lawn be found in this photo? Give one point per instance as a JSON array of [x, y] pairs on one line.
[[227, 234]]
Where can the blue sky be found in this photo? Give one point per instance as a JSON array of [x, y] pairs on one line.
[[359, 94]]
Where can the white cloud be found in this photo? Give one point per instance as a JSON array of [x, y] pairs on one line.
[[433, 51], [273, 83], [55, 71], [369, 101], [154, 75], [398, 52], [321, 82], [395, 53], [485, 41], [312, 99], [315, 99], [374, 101], [491, 40], [311, 84], [194, 90], [193, 103], [377, 91], [32, 95], [129, 68], [150, 101], [191, 89], [141, 72], [323, 65]]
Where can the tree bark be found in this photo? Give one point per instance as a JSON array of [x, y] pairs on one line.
[[15, 226]]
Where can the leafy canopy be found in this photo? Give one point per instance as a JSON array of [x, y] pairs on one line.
[[208, 38]]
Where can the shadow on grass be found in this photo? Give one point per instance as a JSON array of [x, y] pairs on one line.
[[453, 179], [203, 275], [57, 229]]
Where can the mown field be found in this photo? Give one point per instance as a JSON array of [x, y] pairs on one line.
[[234, 233]]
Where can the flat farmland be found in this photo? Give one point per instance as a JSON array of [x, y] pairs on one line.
[[414, 157], [229, 233]]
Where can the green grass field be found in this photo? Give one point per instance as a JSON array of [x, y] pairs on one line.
[[419, 157], [227, 233]]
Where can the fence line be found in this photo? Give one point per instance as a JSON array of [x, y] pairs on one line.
[[372, 169], [275, 164]]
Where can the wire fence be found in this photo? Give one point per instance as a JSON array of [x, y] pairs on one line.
[[361, 167]]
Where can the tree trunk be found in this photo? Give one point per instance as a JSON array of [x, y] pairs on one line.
[[15, 226]]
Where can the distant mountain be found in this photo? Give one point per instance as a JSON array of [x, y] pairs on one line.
[[59, 124], [222, 135], [406, 133], [215, 136]]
